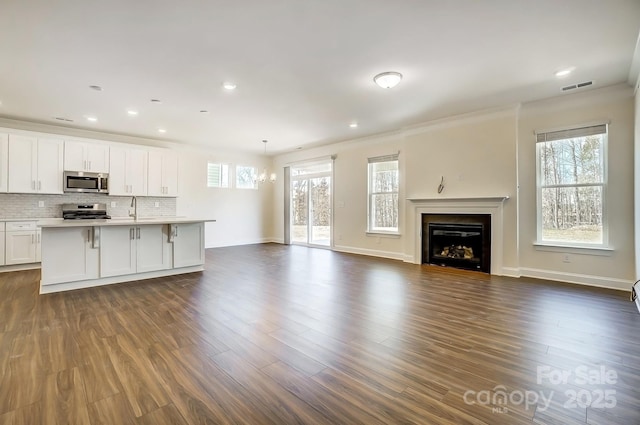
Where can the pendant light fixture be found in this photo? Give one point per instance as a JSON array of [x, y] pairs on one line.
[[264, 176]]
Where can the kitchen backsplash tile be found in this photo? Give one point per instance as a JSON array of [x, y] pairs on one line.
[[14, 205]]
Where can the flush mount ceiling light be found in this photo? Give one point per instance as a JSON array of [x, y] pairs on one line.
[[91, 118], [229, 85], [162, 130], [564, 72], [388, 80], [353, 125], [263, 176], [132, 112]]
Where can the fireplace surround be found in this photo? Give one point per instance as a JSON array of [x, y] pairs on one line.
[[492, 205]]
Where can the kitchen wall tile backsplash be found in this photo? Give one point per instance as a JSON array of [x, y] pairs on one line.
[[14, 205]]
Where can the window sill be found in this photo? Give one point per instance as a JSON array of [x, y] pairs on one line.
[[384, 234], [573, 249]]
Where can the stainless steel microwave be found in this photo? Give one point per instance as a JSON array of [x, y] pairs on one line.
[[79, 181]]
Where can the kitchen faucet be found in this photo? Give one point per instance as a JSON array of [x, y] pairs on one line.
[[134, 208]]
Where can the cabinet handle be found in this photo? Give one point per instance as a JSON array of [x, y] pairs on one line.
[[84, 165], [38, 237], [33, 237], [39, 184], [95, 237], [131, 234], [137, 233], [33, 184], [89, 165], [176, 230]]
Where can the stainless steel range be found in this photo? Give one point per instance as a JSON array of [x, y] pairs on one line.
[[84, 211]]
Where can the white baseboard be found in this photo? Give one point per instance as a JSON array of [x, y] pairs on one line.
[[236, 242], [370, 252], [409, 259], [581, 279], [511, 271]]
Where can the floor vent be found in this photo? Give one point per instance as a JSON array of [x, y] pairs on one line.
[[577, 86]]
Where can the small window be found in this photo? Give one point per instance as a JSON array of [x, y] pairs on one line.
[[246, 177], [571, 175], [217, 175], [384, 184]]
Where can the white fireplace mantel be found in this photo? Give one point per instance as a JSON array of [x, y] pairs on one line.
[[492, 205], [476, 199]]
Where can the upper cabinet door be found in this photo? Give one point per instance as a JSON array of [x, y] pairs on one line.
[[74, 158], [80, 156], [23, 164], [128, 172], [50, 170], [97, 157], [137, 171], [170, 174], [117, 175], [163, 173], [155, 187], [4, 163]]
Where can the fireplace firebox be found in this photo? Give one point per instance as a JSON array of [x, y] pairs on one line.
[[461, 241]]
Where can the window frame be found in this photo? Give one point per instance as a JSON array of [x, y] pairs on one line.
[[371, 230], [545, 244], [221, 165]]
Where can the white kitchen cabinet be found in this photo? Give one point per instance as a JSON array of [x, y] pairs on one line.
[[2, 261], [188, 244], [4, 162], [128, 171], [79, 260], [134, 249], [35, 165], [20, 242], [80, 156], [38, 245], [153, 249], [163, 173]]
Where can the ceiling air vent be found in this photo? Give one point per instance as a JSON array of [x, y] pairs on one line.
[[63, 119], [577, 86]]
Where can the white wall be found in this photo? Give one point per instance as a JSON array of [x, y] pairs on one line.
[[489, 153], [613, 269], [243, 216]]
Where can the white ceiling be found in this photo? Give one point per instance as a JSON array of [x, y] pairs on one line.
[[304, 68]]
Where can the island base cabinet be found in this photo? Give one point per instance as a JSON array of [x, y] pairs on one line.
[[188, 244], [134, 249], [69, 255], [153, 250], [2, 262]]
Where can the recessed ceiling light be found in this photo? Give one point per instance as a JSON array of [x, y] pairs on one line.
[[229, 86], [96, 88], [353, 125], [91, 118], [564, 72], [162, 130], [156, 101], [132, 112], [388, 80]]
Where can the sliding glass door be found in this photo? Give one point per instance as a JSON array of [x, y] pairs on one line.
[[311, 204]]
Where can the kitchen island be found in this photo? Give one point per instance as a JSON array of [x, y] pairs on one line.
[[85, 253]]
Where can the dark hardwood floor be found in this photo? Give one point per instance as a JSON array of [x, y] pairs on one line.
[[273, 334]]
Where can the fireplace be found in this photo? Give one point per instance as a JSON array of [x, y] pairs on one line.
[[457, 240]]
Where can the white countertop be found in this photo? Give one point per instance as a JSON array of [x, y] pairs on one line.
[[118, 221]]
